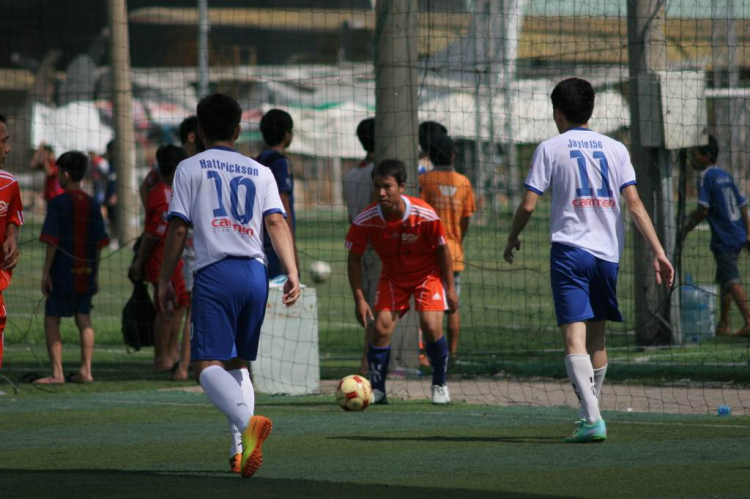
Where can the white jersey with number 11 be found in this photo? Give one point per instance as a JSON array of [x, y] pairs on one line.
[[225, 196], [586, 171]]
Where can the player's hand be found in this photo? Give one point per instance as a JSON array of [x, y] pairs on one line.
[[10, 250], [363, 313], [452, 298], [512, 244], [663, 270], [292, 290], [167, 300], [46, 285]]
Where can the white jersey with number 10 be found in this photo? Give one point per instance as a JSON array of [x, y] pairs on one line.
[[225, 196], [587, 172]]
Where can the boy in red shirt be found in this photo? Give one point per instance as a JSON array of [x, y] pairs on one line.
[[409, 238], [11, 218], [151, 254]]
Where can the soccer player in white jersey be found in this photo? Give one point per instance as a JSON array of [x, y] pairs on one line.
[[229, 200], [587, 173]]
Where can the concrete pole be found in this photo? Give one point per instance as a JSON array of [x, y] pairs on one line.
[[396, 85], [646, 56], [396, 122], [127, 191], [203, 29]]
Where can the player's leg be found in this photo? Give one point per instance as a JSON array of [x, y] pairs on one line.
[[595, 338], [371, 270], [254, 282], [431, 304], [737, 292], [572, 271], [181, 374], [379, 352], [162, 361], [3, 321], [86, 330], [54, 350], [454, 320], [724, 326], [239, 369], [216, 305]]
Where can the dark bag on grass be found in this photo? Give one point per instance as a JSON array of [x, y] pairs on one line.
[[138, 318]]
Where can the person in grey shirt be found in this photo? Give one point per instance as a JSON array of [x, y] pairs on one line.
[[358, 194]]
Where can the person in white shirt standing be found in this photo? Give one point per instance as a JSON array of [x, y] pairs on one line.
[[229, 200], [587, 172]]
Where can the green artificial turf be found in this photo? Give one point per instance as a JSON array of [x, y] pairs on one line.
[[155, 443]]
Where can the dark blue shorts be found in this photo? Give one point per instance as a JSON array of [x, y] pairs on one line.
[[727, 271], [229, 303], [584, 287], [68, 305]]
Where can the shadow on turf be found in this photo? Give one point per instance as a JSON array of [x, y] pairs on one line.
[[73, 483], [439, 438]]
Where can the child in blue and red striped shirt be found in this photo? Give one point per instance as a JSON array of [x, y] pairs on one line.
[[74, 233]]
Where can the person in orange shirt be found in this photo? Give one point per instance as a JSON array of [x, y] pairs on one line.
[[452, 197]]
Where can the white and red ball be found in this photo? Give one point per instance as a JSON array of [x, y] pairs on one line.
[[354, 393]]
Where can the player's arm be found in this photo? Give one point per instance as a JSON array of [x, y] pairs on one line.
[[445, 261], [286, 201], [693, 219], [362, 309], [49, 257], [10, 246], [520, 220], [148, 243], [746, 221], [463, 226], [143, 190], [283, 244], [662, 268], [173, 247]]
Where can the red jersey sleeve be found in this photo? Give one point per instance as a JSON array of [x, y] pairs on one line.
[[357, 239], [436, 233], [156, 207], [15, 206]]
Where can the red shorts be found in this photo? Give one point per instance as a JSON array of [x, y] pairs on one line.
[[3, 320], [178, 283], [429, 296]]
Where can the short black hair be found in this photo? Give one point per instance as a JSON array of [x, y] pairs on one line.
[[75, 163], [218, 116], [3, 119], [712, 149], [442, 150], [168, 157], [390, 168], [274, 125], [428, 130], [366, 134], [188, 125], [574, 97], [111, 145]]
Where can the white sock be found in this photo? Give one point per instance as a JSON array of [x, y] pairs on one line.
[[581, 374], [599, 380], [226, 395], [242, 377]]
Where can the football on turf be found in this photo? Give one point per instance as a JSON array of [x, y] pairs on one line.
[[353, 393], [320, 271]]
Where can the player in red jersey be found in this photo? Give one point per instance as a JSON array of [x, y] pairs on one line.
[[409, 238], [11, 218], [151, 255]]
